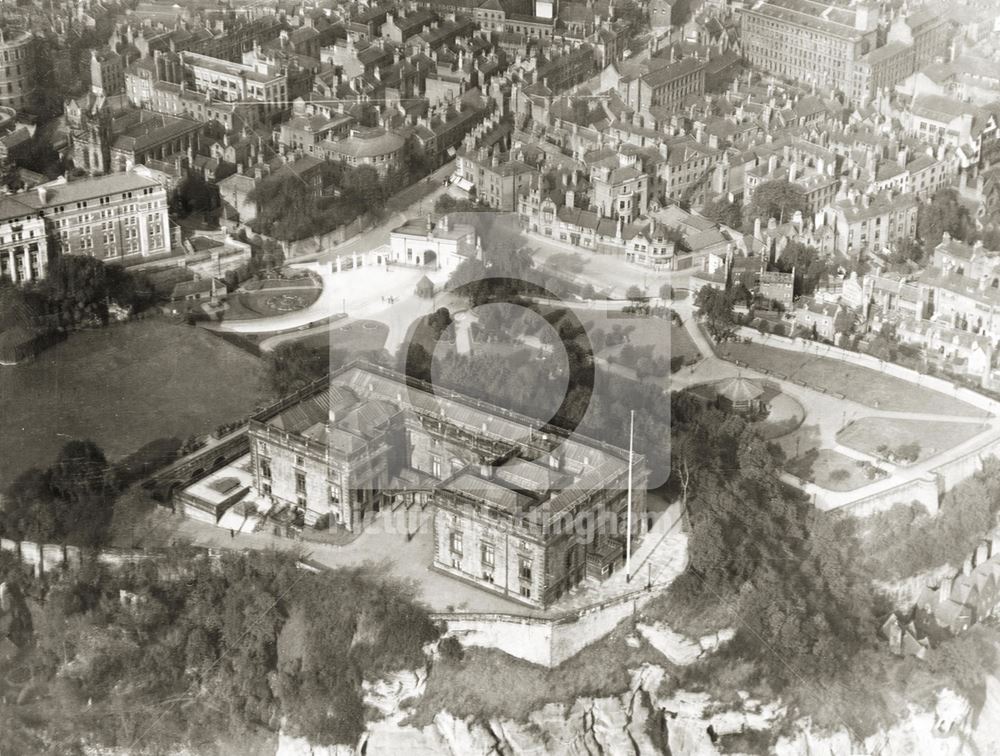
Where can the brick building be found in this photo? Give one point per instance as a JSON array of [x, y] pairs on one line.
[[808, 41], [119, 218]]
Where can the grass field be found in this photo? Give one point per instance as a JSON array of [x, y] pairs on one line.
[[123, 387], [868, 433], [643, 331], [829, 469], [860, 384]]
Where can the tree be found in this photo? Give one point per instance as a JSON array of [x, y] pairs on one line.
[[906, 251], [79, 289], [446, 204], [294, 365], [723, 212], [943, 214], [71, 501], [716, 307], [29, 509], [439, 320], [633, 15], [195, 194], [11, 177], [634, 294], [807, 262], [776, 199]]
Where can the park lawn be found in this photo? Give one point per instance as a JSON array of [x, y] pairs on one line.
[[122, 386], [868, 433], [822, 466], [857, 383], [357, 337], [667, 339]]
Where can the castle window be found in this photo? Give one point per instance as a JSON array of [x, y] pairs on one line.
[[524, 569]]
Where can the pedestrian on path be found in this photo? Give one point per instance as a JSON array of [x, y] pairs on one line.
[[232, 533]]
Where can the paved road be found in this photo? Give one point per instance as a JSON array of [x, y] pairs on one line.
[[606, 272]]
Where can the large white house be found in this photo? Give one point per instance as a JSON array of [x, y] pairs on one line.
[[438, 246]]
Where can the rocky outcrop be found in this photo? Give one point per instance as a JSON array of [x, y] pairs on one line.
[[951, 729], [643, 721]]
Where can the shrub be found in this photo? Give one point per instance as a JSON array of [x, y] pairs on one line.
[[451, 649], [908, 452], [323, 522]]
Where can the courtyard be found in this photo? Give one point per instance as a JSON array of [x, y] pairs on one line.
[[123, 387]]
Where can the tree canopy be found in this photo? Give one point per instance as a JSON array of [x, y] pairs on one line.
[[760, 547], [290, 207], [716, 307], [810, 266], [724, 212], [777, 199], [944, 213], [69, 502], [294, 365], [205, 649]]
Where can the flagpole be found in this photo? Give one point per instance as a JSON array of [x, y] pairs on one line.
[[628, 521]]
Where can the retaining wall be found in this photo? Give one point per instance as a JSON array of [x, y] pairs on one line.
[[545, 641], [49, 556]]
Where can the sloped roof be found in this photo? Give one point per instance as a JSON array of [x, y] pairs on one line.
[[740, 389]]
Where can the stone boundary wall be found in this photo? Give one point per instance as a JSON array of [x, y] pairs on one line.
[[313, 245]]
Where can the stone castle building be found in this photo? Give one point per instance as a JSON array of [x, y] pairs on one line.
[[520, 509]]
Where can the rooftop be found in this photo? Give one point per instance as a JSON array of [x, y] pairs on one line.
[[31, 202], [832, 20], [358, 403]]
